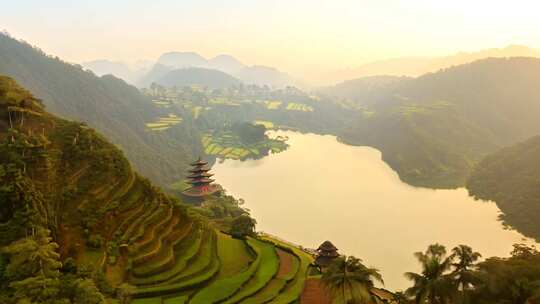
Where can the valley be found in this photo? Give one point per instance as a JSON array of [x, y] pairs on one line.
[[377, 165]]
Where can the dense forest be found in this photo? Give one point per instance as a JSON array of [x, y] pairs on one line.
[[434, 128], [106, 103], [511, 177]]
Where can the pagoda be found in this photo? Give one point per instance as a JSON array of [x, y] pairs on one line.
[[326, 253], [200, 181]]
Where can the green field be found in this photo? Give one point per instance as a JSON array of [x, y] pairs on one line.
[[293, 106], [228, 145], [265, 123], [223, 101], [272, 104], [164, 123]]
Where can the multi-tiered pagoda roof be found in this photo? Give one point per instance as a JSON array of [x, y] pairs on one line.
[[326, 253], [199, 178]]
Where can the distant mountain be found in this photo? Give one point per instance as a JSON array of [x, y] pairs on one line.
[[197, 76], [226, 63], [434, 128], [118, 69], [262, 75], [156, 72], [511, 178], [107, 104], [182, 60], [365, 90], [104, 67], [259, 75], [416, 66]]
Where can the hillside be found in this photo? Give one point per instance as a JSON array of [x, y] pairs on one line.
[[511, 178], [110, 226], [197, 77], [417, 66], [434, 128], [106, 103], [129, 73]]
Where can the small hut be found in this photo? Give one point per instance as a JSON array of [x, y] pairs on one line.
[[326, 253]]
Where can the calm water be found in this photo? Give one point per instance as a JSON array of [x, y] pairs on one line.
[[320, 189]]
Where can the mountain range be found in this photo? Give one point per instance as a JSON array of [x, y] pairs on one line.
[[167, 62], [416, 66]]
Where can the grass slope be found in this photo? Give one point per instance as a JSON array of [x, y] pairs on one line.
[[268, 268]]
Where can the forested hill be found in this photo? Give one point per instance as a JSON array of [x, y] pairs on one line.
[[511, 177], [66, 193], [106, 103], [77, 225], [434, 128]]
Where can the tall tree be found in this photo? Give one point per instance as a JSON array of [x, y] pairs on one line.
[[463, 269], [349, 281], [433, 285], [34, 268], [509, 280]]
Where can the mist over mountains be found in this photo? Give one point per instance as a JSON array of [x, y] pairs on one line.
[[171, 61], [416, 66], [143, 74]]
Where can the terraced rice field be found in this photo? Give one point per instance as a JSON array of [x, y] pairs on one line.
[[272, 104], [223, 101], [162, 103], [171, 258], [267, 124], [197, 111], [164, 123], [228, 145], [293, 106]]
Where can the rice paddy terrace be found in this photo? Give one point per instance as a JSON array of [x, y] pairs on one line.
[[169, 255], [226, 144], [197, 264]]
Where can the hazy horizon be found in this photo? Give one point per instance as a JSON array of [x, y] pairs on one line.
[[301, 38]]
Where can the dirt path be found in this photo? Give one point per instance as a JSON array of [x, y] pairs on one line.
[[314, 293]]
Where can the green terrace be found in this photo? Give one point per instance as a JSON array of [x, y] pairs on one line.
[[293, 106], [164, 123], [228, 145], [168, 257], [165, 103], [267, 124], [271, 104], [223, 101]]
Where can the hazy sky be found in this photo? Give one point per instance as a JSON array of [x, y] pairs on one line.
[[292, 35]]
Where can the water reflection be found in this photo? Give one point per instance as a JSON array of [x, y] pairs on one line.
[[321, 189]]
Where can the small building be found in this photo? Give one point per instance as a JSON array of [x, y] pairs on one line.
[[200, 181], [326, 253]]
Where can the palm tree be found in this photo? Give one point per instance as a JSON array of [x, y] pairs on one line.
[[350, 282], [433, 285], [400, 298], [466, 259]]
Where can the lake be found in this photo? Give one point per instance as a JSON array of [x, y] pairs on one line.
[[320, 189]]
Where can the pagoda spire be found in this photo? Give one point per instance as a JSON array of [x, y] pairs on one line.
[[200, 181], [326, 253]]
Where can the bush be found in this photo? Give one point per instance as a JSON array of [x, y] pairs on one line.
[[95, 241], [243, 226]]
